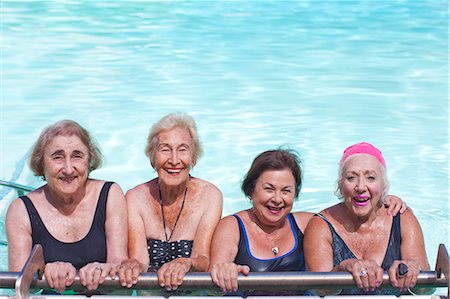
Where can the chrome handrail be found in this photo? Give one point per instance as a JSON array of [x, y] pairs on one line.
[[21, 189], [194, 281]]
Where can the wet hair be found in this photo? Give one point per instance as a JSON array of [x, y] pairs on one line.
[[273, 160], [167, 123], [63, 128], [341, 178]]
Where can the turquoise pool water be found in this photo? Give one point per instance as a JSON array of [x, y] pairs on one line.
[[314, 75]]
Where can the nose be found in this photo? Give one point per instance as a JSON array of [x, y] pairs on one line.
[[361, 185], [68, 166], [277, 197], [174, 157]]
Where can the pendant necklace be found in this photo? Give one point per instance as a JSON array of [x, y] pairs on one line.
[[162, 213], [274, 249]]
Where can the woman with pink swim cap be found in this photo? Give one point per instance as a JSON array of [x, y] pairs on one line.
[[359, 236]]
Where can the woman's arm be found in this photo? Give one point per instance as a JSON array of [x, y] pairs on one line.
[[138, 260], [95, 273], [224, 249], [413, 255], [171, 274], [18, 231], [318, 250]]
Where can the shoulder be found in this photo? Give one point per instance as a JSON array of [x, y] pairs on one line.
[[16, 207], [17, 215], [302, 219], [228, 224], [408, 219], [139, 192], [205, 186]]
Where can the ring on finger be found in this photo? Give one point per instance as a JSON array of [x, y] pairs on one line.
[[99, 268], [363, 272]]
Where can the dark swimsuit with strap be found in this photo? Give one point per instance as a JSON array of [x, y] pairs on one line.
[[92, 248], [294, 260], [342, 252]]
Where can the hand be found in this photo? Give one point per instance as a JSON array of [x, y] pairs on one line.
[[129, 271], [367, 275], [171, 274], [94, 274], [395, 205], [59, 275], [225, 275], [408, 279]]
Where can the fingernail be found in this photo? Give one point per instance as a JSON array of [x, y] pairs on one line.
[[235, 290], [224, 290], [378, 283]]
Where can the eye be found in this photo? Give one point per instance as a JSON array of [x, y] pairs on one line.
[[286, 191], [267, 188], [350, 178], [164, 150], [57, 158], [371, 178]]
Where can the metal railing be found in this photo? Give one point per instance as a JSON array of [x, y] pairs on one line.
[[21, 189], [31, 277]]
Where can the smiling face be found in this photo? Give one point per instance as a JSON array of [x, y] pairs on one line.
[[362, 184], [273, 196], [174, 156], [66, 163]]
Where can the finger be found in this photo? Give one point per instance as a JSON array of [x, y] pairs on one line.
[[180, 277], [393, 275], [221, 280], [357, 279], [227, 279], [404, 208], [49, 278], [379, 277], [160, 274], [82, 274], [234, 280], [103, 276], [129, 277], [174, 280], [406, 281], [372, 280], [413, 281], [245, 270], [135, 271]]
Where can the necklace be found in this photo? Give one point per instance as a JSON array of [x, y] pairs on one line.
[[162, 212], [274, 249]]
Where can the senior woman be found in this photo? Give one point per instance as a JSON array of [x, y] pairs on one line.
[[80, 222], [172, 217], [358, 236], [266, 237]]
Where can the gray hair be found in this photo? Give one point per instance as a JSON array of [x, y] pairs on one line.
[[167, 123], [341, 178], [63, 128]]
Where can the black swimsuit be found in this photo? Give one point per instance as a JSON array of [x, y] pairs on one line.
[[92, 248], [161, 252], [294, 260], [341, 252]]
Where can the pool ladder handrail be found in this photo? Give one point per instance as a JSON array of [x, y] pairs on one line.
[[31, 276], [21, 189]]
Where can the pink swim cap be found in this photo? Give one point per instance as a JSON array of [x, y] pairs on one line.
[[363, 148]]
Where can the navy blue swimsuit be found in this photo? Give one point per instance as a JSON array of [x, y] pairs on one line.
[[92, 248], [294, 260], [341, 252]]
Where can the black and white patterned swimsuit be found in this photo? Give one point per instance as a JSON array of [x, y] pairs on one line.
[[161, 252]]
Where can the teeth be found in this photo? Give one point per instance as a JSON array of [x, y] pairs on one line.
[[173, 170]]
